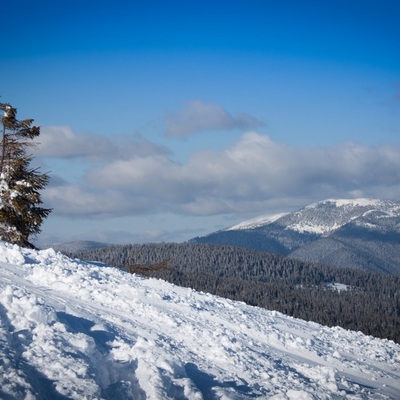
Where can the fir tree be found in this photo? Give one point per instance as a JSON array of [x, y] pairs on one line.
[[20, 212]]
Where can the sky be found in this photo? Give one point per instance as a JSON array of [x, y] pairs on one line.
[[167, 120]]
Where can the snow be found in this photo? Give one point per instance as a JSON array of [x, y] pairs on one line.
[[360, 202], [79, 330], [347, 210], [6, 111], [257, 222], [308, 227], [337, 286], [312, 219]]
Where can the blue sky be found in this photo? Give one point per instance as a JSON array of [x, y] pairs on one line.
[[165, 120]]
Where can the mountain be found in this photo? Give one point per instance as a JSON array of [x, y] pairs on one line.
[[357, 233], [72, 330]]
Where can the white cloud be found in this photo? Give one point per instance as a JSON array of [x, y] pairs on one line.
[[198, 116], [83, 201], [62, 142], [255, 174]]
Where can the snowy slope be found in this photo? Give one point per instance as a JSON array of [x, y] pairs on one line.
[[257, 222], [75, 330], [327, 216], [324, 217]]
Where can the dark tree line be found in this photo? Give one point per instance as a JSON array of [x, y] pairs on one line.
[[371, 303]]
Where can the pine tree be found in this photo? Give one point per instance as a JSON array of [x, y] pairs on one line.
[[20, 212]]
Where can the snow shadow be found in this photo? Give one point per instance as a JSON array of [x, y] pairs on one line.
[[29, 260], [42, 387], [206, 383], [76, 324], [116, 379]]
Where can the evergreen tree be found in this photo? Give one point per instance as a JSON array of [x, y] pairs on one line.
[[20, 212]]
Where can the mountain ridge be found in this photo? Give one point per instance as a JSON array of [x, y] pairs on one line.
[[359, 228]]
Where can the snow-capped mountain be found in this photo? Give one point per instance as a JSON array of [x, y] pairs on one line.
[[75, 330], [361, 233], [328, 216]]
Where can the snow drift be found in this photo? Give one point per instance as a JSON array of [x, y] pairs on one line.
[[77, 330]]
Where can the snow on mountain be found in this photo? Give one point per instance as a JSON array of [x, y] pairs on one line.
[[327, 216], [323, 217], [257, 222], [76, 330], [356, 233]]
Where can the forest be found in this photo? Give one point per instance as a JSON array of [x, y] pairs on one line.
[[370, 302]]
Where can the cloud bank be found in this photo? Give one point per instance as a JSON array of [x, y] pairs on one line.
[[62, 142], [255, 174], [198, 116]]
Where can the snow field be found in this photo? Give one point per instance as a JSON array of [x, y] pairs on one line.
[[72, 329]]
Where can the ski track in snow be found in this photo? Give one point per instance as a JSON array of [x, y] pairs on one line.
[[76, 330]]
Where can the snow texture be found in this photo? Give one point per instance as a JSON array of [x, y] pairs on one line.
[[76, 330]]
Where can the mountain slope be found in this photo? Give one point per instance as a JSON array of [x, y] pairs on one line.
[[76, 330], [271, 281], [358, 233]]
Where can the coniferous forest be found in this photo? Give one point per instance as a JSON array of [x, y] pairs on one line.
[[370, 302]]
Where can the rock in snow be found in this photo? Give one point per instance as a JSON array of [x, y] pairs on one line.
[[77, 330]]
